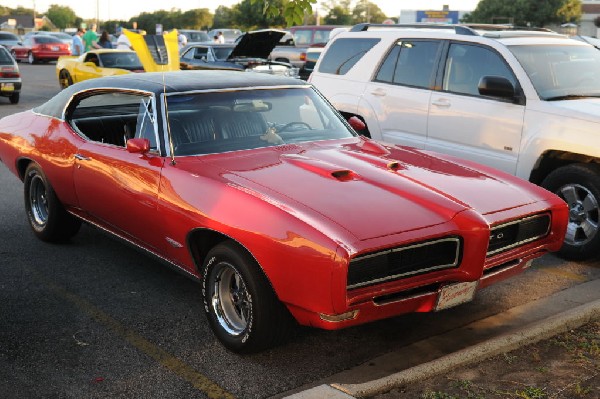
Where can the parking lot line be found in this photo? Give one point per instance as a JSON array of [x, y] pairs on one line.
[[170, 362]]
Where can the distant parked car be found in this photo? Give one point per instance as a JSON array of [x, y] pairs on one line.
[[40, 48], [195, 36], [250, 53], [230, 34], [10, 78], [9, 40]]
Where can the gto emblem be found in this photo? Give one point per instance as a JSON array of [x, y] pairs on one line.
[[498, 236]]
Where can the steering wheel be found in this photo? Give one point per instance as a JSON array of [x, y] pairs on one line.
[[300, 126]]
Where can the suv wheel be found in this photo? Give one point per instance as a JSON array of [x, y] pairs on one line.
[[579, 186]]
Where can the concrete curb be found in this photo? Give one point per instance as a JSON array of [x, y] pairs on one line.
[[529, 334], [532, 333]]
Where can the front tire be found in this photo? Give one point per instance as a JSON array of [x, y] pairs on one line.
[[579, 186], [64, 79], [242, 309], [47, 217]]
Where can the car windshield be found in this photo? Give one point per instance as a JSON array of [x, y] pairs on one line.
[[129, 61], [224, 121], [222, 52], [561, 71], [46, 39]]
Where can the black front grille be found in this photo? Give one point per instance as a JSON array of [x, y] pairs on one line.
[[404, 261], [518, 232]]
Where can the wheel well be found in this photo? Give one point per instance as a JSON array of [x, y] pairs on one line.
[[552, 160], [22, 165], [365, 132]]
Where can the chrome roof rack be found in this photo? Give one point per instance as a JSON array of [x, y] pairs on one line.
[[458, 29], [488, 30]]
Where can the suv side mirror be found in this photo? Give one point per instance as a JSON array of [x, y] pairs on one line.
[[356, 123], [496, 86]]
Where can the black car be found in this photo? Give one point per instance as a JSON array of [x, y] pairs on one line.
[[249, 52], [10, 77]]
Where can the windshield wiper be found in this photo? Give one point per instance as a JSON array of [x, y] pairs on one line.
[[572, 97]]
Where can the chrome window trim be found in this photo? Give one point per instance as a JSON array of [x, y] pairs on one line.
[[396, 276]]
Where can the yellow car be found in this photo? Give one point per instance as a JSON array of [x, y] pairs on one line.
[[152, 53]]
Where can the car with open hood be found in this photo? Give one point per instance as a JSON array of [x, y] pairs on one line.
[[255, 186], [249, 53], [152, 53]]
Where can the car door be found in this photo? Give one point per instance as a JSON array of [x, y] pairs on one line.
[[119, 189], [85, 70], [466, 124], [400, 91]]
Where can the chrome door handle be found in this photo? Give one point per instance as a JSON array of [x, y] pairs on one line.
[[441, 102], [82, 157]]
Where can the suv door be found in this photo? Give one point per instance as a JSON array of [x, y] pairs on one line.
[[400, 91], [468, 125]]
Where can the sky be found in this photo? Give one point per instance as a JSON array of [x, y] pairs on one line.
[[125, 9]]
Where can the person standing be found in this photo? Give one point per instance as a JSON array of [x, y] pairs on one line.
[[104, 41], [220, 37], [77, 45], [181, 40], [90, 38], [123, 42]]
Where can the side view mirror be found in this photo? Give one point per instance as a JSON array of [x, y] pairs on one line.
[[138, 146], [356, 123], [496, 86]]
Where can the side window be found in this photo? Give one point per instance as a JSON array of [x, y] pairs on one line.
[[113, 118], [410, 63], [343, 54], [467, 64]]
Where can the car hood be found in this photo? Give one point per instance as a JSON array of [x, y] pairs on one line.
[[256, 44], [584, 108], [366, 188]]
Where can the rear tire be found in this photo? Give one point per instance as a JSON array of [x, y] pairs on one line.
[[14, 98], [579, 186], [241, 306], [47, 217]]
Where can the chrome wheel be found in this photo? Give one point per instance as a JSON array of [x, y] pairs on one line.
[[583, 214], [231, 301], [38, 200]]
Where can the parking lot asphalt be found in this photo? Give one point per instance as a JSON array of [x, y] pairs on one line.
[[500, 333]]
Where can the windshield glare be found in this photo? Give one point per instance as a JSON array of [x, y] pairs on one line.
[[561, 70], [216, 122]]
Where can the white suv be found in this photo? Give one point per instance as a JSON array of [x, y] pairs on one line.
[[526, 102]]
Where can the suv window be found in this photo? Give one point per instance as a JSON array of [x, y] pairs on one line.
[[410, 63], [344, 54], [467, 64]]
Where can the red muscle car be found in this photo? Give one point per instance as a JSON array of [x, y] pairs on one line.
[[255, 186]]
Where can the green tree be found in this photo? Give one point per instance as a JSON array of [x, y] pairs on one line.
[[61, 16], [366, 11], [252, 16], [226, 17], [537, 13], [338, 15], [292, 11], [199, 18]]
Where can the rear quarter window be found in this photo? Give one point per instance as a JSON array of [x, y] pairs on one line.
[[344, 53]]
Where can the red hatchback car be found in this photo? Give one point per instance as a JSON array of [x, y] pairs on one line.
[[40, 48]]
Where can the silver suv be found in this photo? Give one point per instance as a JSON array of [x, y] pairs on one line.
[[523, 101]]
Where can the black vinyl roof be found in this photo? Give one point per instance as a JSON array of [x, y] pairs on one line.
[[166, 82]]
